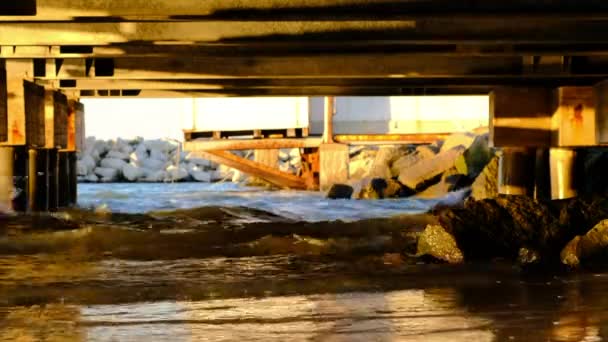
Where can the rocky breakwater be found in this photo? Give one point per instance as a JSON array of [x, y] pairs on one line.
[[162, 160], [140, 160], [425, 171]]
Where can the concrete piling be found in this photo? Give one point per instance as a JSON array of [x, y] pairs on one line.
[[53, 179], [63, 189], [516, 171], [13, 178]]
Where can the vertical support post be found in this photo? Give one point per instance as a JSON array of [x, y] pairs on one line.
[[3, 103], [63, 176], [562, 162], [333, 163], [13, 178], [73, 178], [542, 179], [53, 179], [38, 180], [516, 171], [328, 122], [333, 158]]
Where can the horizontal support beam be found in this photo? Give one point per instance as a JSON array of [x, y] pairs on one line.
[[292, 10], [424, 31], [251, 144], [389, 139], [106, 84], [326, 66], [305, 48]]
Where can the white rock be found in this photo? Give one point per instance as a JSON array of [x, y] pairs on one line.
[[155, 176], [159, 155], [239, 177], [201, 176], [92, 178], [175, 173], [161, 145], [284, 166], [88, 162], [192, 158], [218, 175], [106, 173], [117, 155], [81, 168], [132, 172], [153, 164], [140, 154], [113, 163], [284, 155], [294, 153], [297, 162], [458, 139]]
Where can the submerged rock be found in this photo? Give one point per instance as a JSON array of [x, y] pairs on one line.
[[340, 191], [439, 244]]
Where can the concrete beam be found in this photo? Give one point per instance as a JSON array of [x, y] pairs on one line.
[[486, 30], [305, 48], [294, 10], [56, 119], [322, 66], [25, 112], [521, 117]]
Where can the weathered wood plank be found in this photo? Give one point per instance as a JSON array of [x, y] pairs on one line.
[[251, 144], [269, 174]]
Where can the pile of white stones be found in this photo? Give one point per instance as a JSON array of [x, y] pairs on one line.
[[140, 160]]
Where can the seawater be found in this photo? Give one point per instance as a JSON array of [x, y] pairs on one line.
[[175, 262]]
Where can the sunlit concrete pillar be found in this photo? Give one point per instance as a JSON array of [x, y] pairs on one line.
[[333, 165], [13, 178], [563, 175]]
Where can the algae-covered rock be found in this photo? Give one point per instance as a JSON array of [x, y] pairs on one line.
[[589, 247], [438, 243], [570, 255]]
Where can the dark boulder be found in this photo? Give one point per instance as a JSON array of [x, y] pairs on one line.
[[340, 191]]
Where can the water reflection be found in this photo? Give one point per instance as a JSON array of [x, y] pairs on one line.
[[285, 298]]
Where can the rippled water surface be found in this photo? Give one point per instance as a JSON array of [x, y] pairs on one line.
[[227, 273]]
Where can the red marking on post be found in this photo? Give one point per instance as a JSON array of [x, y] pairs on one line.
[[16, 132], [578, 114]]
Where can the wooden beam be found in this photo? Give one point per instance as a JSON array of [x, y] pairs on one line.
[[269, 174], [251, 144], [390, 139]]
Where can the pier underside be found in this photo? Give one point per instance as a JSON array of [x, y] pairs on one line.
[[540, 63]]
